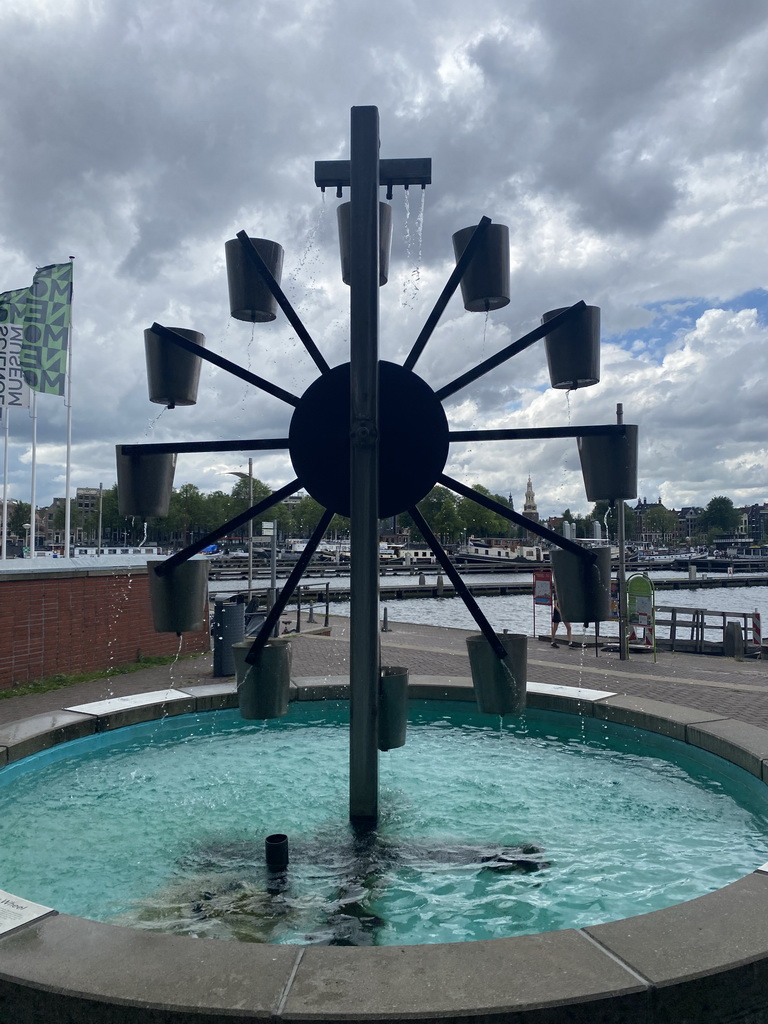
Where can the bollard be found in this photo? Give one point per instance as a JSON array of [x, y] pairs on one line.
[[440, 586], [385, 627], [733, 641]]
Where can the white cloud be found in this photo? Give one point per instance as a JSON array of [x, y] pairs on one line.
[[624, 146]]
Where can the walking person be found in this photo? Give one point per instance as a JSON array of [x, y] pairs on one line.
[[556, 620]]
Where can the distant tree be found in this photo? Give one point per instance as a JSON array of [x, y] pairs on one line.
[[479, 521], [719, 516], [215, 511], [187, 512], [306, 515], [18, 516], [440, 508]]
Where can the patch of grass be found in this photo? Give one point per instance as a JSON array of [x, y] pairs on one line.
[[61, 681]]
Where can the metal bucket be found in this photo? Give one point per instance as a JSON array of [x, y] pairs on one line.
[[144, 483], [583, 590], [499, 683], [249, 297], [393, 707], [263, 688], [573, 350], [485, 283], [172, 373], [343, 213], [179, 599], [609, 465]]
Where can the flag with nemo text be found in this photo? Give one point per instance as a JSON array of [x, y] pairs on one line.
[[43, 312]]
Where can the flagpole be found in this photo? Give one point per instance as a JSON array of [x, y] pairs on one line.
[[5, 413], [33, 495], [68, 401]]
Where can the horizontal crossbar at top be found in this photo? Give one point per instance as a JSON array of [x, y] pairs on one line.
[[415, 171]]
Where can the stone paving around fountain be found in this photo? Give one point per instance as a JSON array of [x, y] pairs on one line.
[[715, 684]]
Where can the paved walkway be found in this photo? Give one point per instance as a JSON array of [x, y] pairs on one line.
[[738, 689]]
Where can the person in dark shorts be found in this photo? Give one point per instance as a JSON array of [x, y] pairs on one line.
[[556, 620]]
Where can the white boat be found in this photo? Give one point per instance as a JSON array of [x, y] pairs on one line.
[[480, 551]]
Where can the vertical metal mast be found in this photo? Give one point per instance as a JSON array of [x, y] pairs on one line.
[[364, 460], [622, 575]]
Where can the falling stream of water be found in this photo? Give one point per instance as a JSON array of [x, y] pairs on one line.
[[413, 251], [152, 423]]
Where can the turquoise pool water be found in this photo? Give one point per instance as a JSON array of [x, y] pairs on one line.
[[550, 821]]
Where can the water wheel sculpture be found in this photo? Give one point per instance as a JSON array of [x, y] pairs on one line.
[[349, 428]]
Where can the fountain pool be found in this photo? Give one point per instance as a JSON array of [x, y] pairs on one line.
[[487, 830], [702, 959]]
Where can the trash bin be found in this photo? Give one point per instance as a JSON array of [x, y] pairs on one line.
[[228, 629]]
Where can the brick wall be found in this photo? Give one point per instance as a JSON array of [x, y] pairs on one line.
[[80, 621]]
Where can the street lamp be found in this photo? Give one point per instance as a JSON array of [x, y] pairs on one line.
[[249, 477], [27, 528]]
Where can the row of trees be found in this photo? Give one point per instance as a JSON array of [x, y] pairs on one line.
[[193, 514], [720, 517]]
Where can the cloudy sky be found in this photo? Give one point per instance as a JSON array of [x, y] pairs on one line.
[[623, 144]]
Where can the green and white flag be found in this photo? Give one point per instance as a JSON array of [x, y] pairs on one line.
[[44, 313], [46, 329], [13, 388]]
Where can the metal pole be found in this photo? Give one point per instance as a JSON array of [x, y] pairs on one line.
[[101, 510], [364, 667], [250, 529], [623, 641], [273, 573]]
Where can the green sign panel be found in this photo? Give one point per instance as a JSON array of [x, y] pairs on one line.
[[639, 601]]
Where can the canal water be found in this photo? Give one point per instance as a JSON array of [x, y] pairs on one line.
[[516, 612]]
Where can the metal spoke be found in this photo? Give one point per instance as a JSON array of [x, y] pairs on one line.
[[511, 350], [249, 444], [221, 531], [225, 364], [459, 585], [531, 433], [282, 300], [291, 583], [450, 287], [515, 517]]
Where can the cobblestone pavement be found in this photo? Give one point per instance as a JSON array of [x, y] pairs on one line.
[[738, 689]]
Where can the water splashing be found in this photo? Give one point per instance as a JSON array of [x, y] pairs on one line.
[[311, 253], [144, 537], [413, 251], [172, 665], [151, 424]]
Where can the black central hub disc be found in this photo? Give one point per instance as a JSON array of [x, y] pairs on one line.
[[413, 439]]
